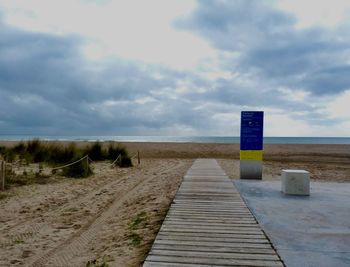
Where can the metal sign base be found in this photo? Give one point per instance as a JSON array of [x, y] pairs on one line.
[[251, 169]]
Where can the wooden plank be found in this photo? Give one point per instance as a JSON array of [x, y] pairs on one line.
[[208, 224], [204, 218], [221, 255], [194, 229], [227, 231], [214, 249], [205, 175], [229, 215], [206, 201], [203, 183], [214, 261], [211, 214], [214, 235], [207, 219], [213, 244], [199, 181], [214, 239], [205, 225], [248, 233], [184, 224], [173, 216], [207, 208], [172, 264], [221, 198]]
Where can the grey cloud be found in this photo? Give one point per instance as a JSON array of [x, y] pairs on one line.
[[237, 24], [327, 80], [47, 87], [229, 96], [271, 48]]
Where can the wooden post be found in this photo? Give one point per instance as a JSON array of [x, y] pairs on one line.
[[87, 163], [138, 157], [2, 175]]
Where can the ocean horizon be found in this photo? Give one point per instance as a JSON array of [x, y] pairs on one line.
[[180, 139]]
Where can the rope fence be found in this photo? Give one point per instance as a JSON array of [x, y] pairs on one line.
[[137, 154], [70, 164], [3, 165], [119, 157]]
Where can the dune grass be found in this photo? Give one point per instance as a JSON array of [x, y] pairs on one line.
[[53, 154]]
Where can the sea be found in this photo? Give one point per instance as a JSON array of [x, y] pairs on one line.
[[182, 139]]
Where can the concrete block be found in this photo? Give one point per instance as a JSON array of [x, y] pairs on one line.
[[295, 182]]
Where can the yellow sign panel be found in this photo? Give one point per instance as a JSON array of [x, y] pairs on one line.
[[251, 154]]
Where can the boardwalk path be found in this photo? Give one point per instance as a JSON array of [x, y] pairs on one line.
[[208, 224]]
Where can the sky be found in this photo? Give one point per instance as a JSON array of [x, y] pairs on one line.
[[166, 67]]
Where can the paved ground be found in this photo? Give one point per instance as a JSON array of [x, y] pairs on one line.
[[306, 231], [208, 224]]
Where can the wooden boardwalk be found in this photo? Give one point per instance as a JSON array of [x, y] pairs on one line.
[[208, 224]]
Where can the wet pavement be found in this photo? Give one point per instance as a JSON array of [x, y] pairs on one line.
[[305, 230]]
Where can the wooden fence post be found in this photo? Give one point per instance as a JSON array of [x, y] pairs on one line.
[[87, 163], [138, 157], [2, 175]]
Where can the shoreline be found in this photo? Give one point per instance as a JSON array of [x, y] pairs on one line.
[[184, 139], [335, 153]]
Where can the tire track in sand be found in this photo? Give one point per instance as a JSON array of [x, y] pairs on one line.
[[79, 197], [28, 229], [61, 255]]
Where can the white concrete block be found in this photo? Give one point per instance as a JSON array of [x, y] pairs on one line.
[[295, 182]]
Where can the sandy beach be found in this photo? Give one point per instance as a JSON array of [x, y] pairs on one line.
[[115, 214]]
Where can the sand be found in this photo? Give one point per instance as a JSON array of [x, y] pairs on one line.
[[116, 213], [324, 162]]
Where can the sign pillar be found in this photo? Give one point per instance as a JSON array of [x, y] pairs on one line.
[[251, 144]]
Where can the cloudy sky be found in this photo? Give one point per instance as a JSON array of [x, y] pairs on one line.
[[166, 67]]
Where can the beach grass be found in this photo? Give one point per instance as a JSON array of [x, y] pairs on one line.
[[51, 154]]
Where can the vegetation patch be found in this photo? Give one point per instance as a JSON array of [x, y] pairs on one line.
[[125, 162], [136, 224], [80, 169], [36, 151], [18, 241], [97, 263], [96, 152], [138, 220], [3, 195], [53, 154], [25, 178], [135, 239]]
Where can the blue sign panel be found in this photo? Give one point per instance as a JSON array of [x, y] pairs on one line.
[[252, 123]]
